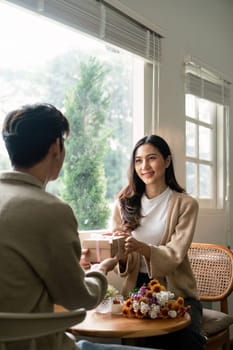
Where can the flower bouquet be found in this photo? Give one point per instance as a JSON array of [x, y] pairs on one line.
[[154, 301]]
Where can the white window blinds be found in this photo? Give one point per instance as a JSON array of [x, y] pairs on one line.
[[101, 20], [204, 84]]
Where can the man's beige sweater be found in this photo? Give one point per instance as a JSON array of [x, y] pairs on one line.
[[39, 254]]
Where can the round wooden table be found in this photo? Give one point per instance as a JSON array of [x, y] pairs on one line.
[[116, 326]]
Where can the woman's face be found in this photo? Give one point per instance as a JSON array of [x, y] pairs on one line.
[[150, 165]]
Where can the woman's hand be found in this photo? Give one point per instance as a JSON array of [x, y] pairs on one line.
[[120, 234], [133, 245]]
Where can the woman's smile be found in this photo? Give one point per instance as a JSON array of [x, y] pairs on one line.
[[147, 174]]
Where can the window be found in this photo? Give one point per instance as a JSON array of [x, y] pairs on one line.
[[206, 136], [45, 60]]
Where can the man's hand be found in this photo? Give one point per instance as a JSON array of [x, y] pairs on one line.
[[106, 265], [84, 260]]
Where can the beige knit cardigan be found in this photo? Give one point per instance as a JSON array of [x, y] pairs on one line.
[[168, 261]]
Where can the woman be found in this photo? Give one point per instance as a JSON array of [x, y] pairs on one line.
[[159, 219]]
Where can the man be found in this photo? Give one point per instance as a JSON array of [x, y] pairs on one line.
[[39, 244]]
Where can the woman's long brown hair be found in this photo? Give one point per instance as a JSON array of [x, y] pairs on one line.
[[130, 196]]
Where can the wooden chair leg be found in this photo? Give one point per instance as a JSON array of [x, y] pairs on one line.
[[227, 345]]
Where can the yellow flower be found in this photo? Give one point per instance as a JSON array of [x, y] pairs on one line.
[[129, 303], [128, 311], [180, 301], [152, 282], [144, 300], [154, 297], [149, 293], [181, 311], [156, 288]]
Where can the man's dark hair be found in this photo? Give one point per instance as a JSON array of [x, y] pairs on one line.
[[29, 132]]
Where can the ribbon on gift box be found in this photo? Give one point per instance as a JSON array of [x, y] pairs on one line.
[[98, 248], [97, 239]]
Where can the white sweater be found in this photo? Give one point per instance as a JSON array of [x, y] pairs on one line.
[[154, 212]]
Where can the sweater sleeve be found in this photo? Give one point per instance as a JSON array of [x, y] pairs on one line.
[[177, 239], [116, 220], [69, 285], [54, 256]]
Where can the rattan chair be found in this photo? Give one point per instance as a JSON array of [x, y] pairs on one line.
[[212, 265], [28, 327]]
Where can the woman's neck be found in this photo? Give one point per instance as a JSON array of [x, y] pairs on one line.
[[154, 191]]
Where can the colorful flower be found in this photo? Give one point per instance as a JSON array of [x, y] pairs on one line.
[[154, 301]]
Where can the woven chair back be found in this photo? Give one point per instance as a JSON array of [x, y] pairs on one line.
[[212, 266]]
